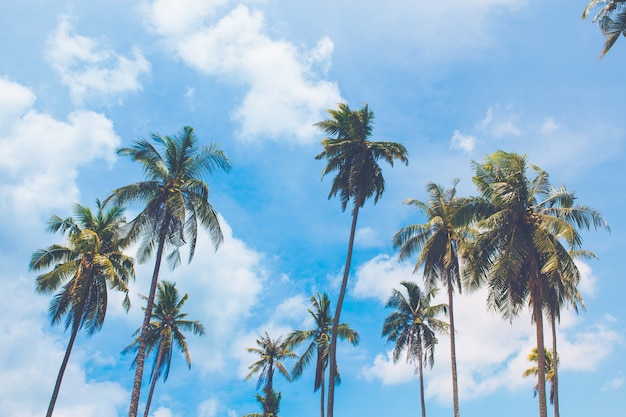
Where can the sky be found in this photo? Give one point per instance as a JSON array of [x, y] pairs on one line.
[[452, 80]]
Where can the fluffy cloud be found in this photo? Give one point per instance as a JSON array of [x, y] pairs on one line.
[[90, 70], [466, 143], [378, 276], [286, 93], [41, 155]]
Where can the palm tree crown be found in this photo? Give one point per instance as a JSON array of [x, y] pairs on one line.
[[175, 198], [166, 329], [92, 260], [412, 327]]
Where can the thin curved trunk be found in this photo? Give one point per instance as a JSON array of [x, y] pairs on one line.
[[141, 352], [269, 389], [332, 373], [420, 365], [541, 357], [555, 369], [66, 358], [155, 376], [455, 386]]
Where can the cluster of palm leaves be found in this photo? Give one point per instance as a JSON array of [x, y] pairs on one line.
[[611, 19], [173, 200]]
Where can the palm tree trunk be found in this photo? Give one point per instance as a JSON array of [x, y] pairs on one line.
[[322, 396], [455, 386], [555, 369], [141, 352], [66, 358], [541, 355], [155, 376], [420, 367], [332, 374]]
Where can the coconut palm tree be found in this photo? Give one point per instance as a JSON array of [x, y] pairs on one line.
[[319, 338], [166, 329], [174, 198], [520, 248], [91, 261], [437, 242], [349, 151], [611, 18], [412, 326], [270, 405], [549, 370], [271, 352]]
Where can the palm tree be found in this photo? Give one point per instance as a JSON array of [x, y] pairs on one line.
[[164, 330], [519, 251], [319, 337], [611, 18], [359, 177], [549, 370], [175, 198], [92, 260], [271, 352], [270, 405], [412, 327], [437, 242]]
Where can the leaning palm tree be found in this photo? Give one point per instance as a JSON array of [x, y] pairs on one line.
[[611, 18], [164, 331], [520, 248], [92, 260], [271, 352], [319, 338], [437, 243], [174, 198], [549, 370], [359, 177], [412, 326]]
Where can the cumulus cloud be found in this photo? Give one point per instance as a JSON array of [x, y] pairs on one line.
[[286, 92], [90, 70], [41, 155], [500, 123], [377, 277], [466, 143]]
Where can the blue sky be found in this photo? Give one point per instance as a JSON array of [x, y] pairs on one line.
[[451, 80]]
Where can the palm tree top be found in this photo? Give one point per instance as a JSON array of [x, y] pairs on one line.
[[349, 151]]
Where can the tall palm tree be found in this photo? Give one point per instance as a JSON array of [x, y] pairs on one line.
[[91, 261], [438, 242], [174, 198], [520, 248], [271, 352], [549, 370], [319, 338], [165, 329], [611, 18], [412, 326], [359, 177]]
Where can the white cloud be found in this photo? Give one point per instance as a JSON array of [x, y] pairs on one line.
[[285, 94], [208, 408], [377, 277], [466, 143], [41, 155], [548, 126], [500, 123], [613, 384], [90, 70], [366, 237]]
